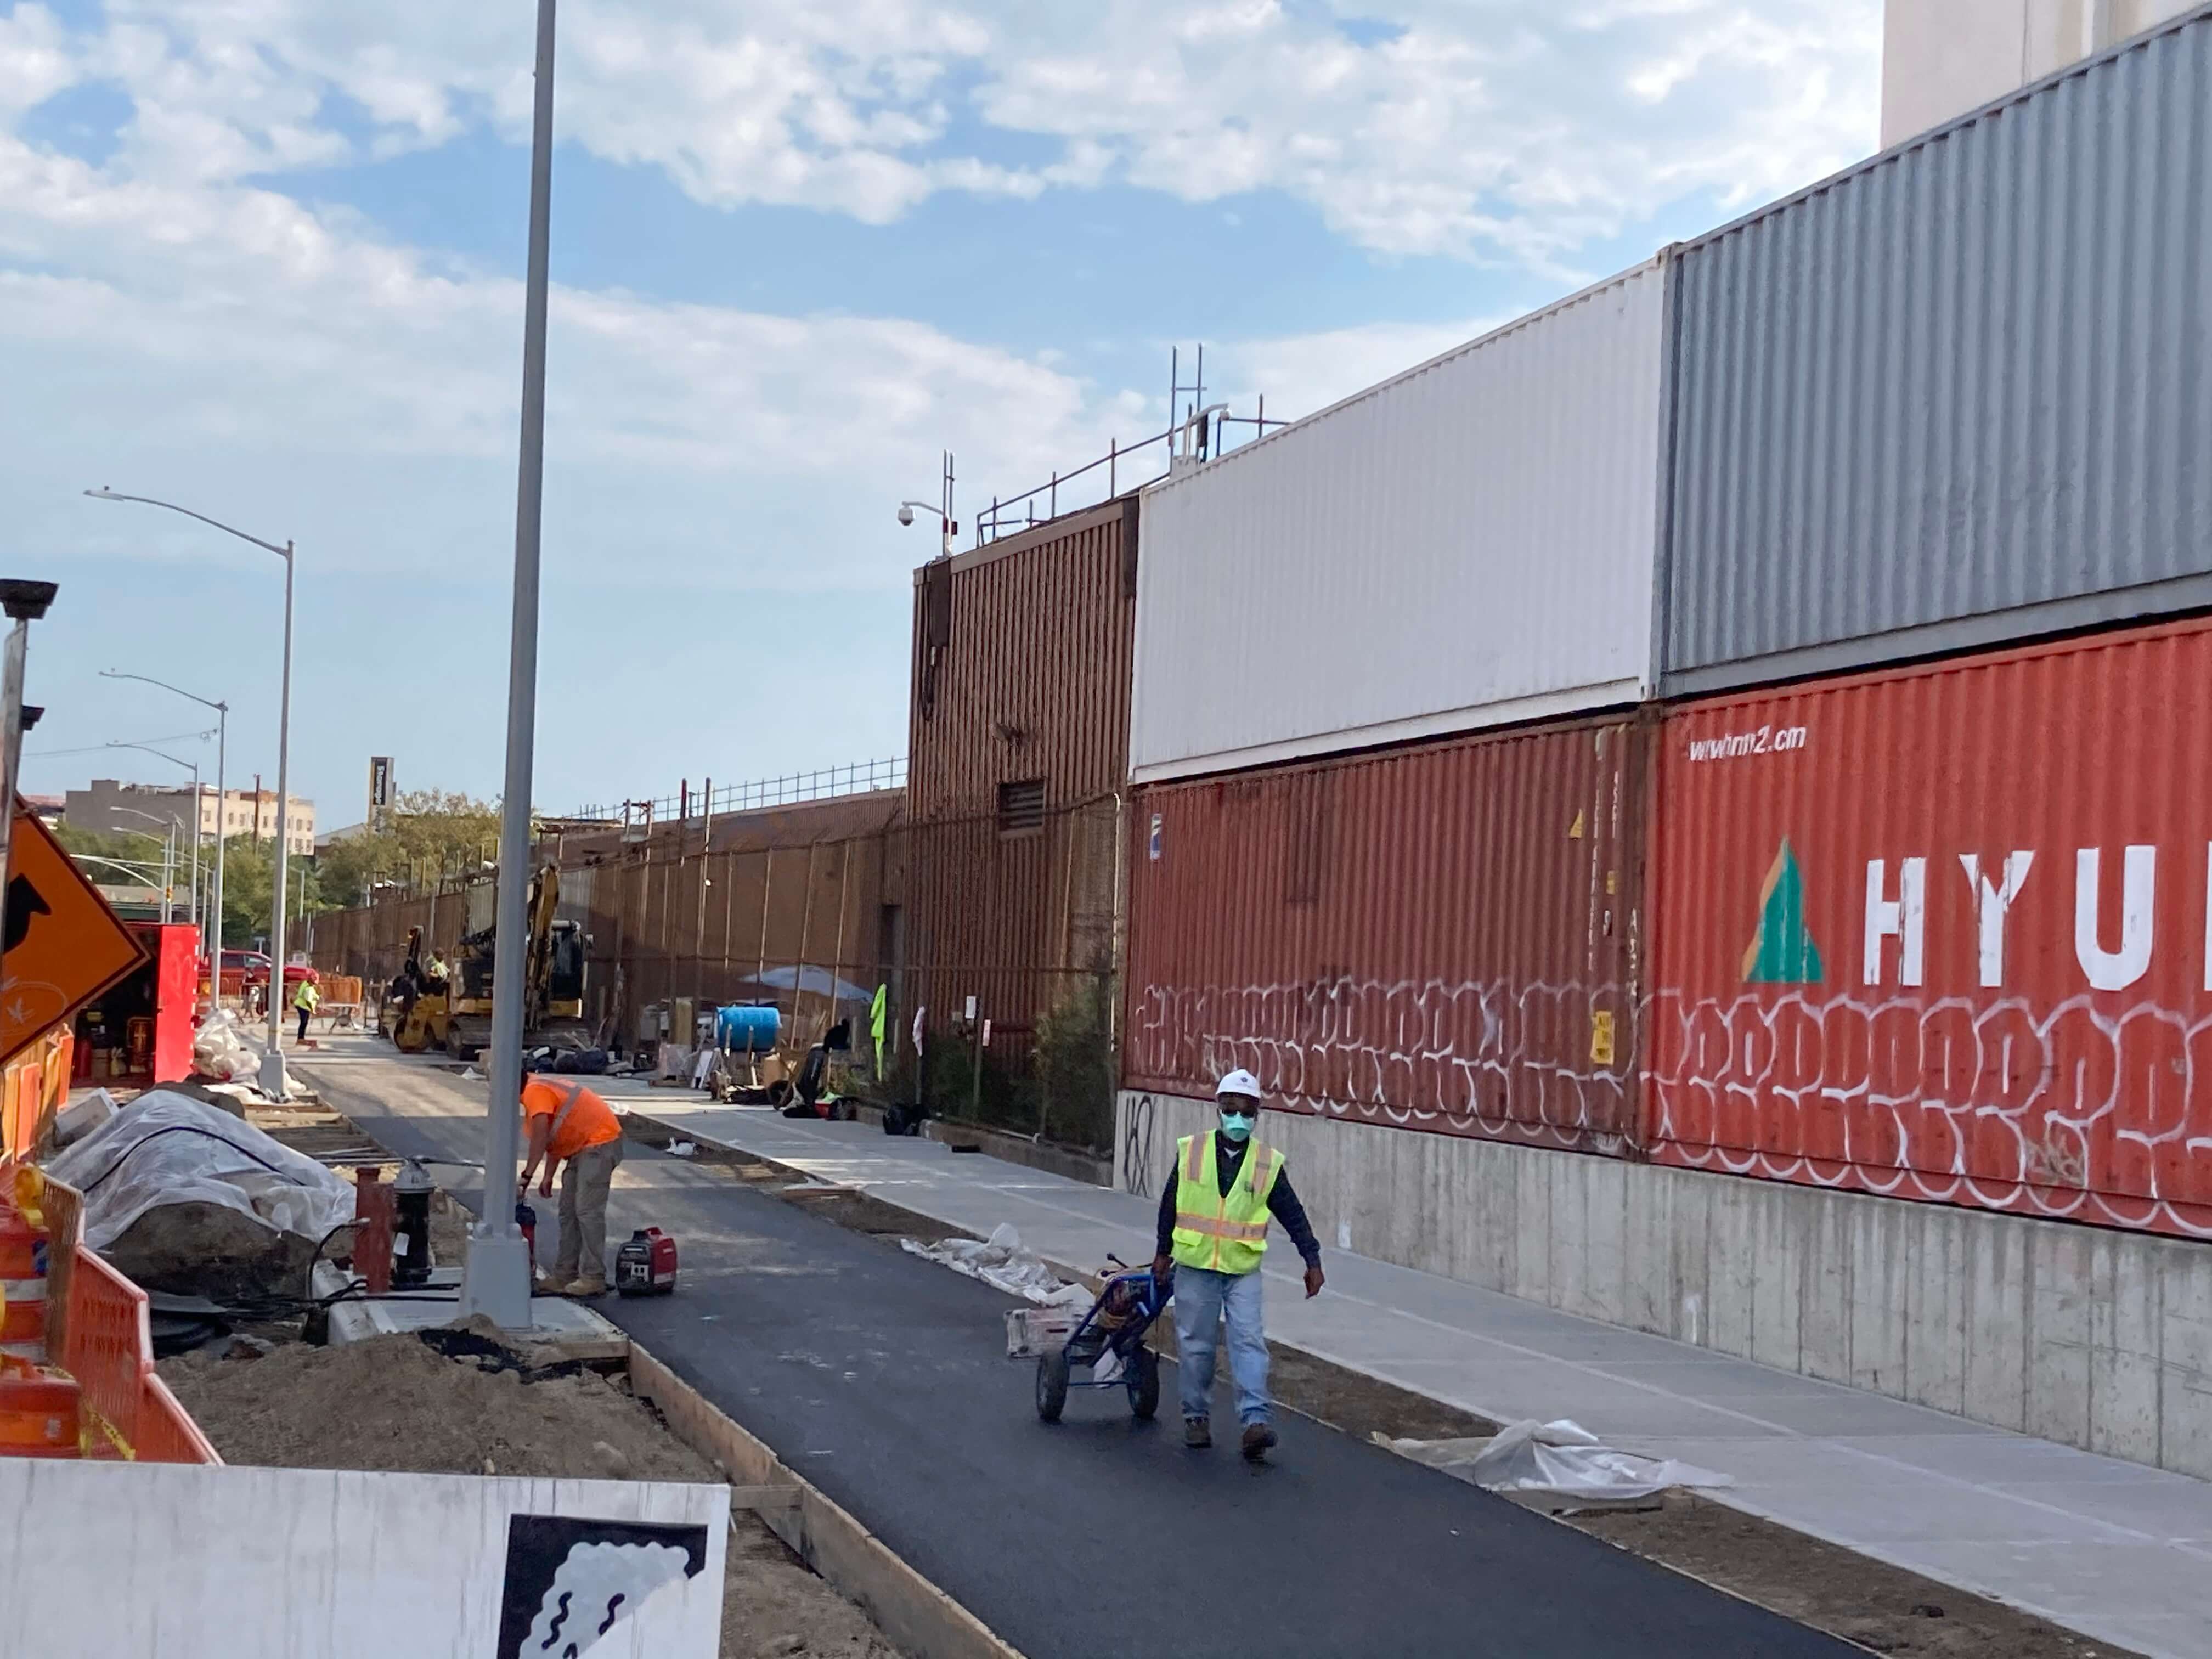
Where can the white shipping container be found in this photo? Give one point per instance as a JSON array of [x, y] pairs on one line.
[[1469, 544]]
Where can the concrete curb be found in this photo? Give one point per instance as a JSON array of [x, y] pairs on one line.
[[919, 1619]]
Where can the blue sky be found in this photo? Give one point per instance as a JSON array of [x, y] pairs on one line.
[[262, 257]]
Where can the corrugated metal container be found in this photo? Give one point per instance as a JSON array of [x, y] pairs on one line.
[[1943, 933], [1021, 665], [1443, 938], [1959, 395], [1469, 544]]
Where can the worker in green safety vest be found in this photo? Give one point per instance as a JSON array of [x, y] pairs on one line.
[[1214, 1230], [304, 1001]]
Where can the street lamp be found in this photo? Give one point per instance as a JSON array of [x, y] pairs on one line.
[[168, 853], [193, 767], [495, 1281], [213, 942], [273, 1063]]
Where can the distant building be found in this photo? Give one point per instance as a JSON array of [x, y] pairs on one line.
[[105, 804], [1940, 58], [330, 838], [48, 807]]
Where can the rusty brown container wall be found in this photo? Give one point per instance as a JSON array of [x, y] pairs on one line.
[[1021, 666], [1443, 938]]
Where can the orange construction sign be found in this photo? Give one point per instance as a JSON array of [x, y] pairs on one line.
[[64, 945]]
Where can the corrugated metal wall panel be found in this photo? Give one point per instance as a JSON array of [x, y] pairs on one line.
[[1033, 681], [1469, 544], [1444, 936], [1957, 395], [1840, 998]]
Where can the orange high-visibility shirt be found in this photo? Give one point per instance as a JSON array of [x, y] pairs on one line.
[[589, 1122]]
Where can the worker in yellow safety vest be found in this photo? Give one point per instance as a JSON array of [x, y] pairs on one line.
[[303, 1002], [1213, 1229]]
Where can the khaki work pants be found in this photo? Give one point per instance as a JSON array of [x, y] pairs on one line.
[[585, 1180]]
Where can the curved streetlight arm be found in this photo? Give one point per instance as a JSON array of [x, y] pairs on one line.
[[192, 767], [117, 674], [104, 494]]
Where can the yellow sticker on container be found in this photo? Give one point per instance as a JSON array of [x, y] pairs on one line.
[[1574, 829], [1602, 1037]]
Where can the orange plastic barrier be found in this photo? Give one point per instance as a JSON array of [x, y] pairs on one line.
[[98, 1330], [129, 1412]]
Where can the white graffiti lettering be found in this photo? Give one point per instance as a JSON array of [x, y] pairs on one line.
[[1502, 1060], [2065, 1110]]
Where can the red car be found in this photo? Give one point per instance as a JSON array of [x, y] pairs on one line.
[[244, 969]]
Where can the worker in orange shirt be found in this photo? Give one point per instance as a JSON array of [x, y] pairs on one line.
[[572, 1128]]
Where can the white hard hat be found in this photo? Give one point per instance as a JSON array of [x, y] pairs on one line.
[[1237, 1082]]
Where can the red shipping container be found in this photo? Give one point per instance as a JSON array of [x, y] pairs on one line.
[[1443, 936], [1945, 932]]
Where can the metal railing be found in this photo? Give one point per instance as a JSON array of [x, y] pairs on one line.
[[1204, 434], [822, 783]]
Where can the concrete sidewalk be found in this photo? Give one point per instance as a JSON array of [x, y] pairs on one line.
[[2111, 1549]]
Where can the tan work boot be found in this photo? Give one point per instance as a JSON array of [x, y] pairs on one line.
[[592, 1286]]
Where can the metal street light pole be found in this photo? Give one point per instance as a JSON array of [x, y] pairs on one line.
[[213, 943], [25, 602], [194, 768], [496, 1279], [168, 840], [271, 1080]]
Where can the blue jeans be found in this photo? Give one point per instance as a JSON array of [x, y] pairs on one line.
[[1202, 1296]]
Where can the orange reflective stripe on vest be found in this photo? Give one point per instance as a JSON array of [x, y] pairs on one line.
[[1225, 1232]]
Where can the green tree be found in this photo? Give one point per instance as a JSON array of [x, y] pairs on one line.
[[97, 851], [432, 832], [249, 875]]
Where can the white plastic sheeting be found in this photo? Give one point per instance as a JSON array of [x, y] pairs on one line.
[[221, 1050], [169, 1148], [1560, 1458], [1472, 543], [1002, 1260]]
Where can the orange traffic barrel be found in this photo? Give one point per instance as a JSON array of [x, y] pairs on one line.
[[41, 1412]]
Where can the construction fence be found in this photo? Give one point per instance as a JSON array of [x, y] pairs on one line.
[[812, 908], [1012, 929]]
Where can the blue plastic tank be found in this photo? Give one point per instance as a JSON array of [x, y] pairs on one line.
[[746, 1027]]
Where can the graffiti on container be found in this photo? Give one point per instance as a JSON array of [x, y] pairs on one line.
[[1137, 1148], [2062, 1111], [1493, 1059], [2066, 1104]]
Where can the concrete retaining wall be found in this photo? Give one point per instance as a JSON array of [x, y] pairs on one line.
[[2087, 1336], [213, 1563]]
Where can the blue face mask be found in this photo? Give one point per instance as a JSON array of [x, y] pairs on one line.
[[1237, 1126]]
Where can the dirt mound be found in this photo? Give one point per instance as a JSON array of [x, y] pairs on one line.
[[392, 1403]]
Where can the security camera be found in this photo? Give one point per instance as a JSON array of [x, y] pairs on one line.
[[906, 514]]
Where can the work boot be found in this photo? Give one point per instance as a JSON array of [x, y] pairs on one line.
[[592, 1286], [1259, 1439], [1197, 1433]]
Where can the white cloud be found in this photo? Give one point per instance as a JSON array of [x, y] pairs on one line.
[[1502, 129]]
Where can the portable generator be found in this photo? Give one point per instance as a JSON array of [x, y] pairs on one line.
[[645, 1264]]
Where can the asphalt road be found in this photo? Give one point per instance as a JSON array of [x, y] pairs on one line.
[[880, 1376]]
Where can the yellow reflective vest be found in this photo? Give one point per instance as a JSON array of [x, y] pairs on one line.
[[1225, 1232]]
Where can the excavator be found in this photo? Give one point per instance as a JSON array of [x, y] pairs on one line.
[[454, 1012]]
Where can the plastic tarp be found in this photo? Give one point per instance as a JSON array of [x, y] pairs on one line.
[[169, 1148], [1561, 1458], [1002, 1260], [220, 1048]]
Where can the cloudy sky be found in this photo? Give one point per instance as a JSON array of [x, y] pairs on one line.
[[264, 258]]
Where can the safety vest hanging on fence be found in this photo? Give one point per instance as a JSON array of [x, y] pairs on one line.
[[1227, 1231]]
